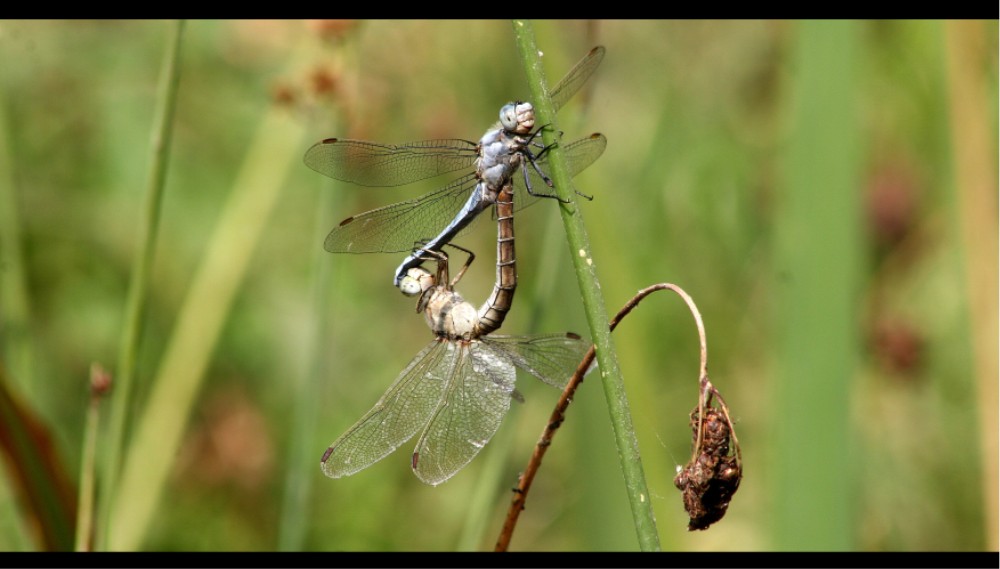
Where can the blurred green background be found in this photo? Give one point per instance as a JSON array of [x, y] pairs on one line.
[[826, 192]]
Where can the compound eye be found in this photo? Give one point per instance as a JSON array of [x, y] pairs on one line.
[[508, 116]]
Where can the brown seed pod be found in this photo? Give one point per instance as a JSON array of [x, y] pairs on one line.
[[713, 475]]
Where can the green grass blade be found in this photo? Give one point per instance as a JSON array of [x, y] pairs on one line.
[[303, 456], [593, 301], [975, 169], [275, 148], [819, 250], [302, 463], [100, 382], [139, 284], [15, 305]]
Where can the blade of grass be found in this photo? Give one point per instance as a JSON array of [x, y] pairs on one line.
[[272, 152], [593, 302], [975, 167], [819, 249], [15, 305], [301, 469], [100, 382], [15, 314], [139, 284], [302, 456], [327, 284], [40, 479]]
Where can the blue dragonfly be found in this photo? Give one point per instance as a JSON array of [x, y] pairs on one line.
[[435, 218]]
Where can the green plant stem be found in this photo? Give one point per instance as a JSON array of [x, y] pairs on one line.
[[15, 304], [276, 146], [323, 333], [99, 383], [819, 255], [139, 284], [302, 456], [975, 167], [593, 302], [85, 505]]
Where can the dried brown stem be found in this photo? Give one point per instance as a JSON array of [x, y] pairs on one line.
[[558, 414]]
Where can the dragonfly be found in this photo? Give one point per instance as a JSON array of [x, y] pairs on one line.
[[458, 389], [493, 162]]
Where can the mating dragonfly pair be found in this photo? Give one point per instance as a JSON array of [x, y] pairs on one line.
[[457, 390]]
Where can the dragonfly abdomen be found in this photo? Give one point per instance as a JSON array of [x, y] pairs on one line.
[[494, 310]]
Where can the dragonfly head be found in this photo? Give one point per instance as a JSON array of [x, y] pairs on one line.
[[518, 117], [416, 281]]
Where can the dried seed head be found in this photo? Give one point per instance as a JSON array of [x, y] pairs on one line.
[[708, 482]]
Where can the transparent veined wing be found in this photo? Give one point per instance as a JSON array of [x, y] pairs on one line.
[[474, 404], [395, 228], [398, 415]]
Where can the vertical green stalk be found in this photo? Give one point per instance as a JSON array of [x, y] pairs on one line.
[[276, 146], [483, 501], [15, 311], [819, 254], [134, 314], [303, 460], [593, 302], [322, 332], [100, 381], [15, 314], [85, 504], [974, 155]]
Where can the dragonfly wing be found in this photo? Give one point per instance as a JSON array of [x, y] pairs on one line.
[[576, 77], [377, 164], [551, 358], [399, 414], [477, 398], [580, 154], [395, 228]]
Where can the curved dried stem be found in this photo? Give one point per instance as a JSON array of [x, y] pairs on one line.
[[706, 391]]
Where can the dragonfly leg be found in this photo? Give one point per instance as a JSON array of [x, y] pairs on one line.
[[532, 158], [442, 260], [420, 280], [545, 147], [531, 139], [422, 254], [465, 267], [527, 180]]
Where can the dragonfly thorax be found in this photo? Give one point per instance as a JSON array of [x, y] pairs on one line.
[[450, 315], [499, 158]]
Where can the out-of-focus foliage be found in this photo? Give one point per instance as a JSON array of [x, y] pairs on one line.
[[697, 115]]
